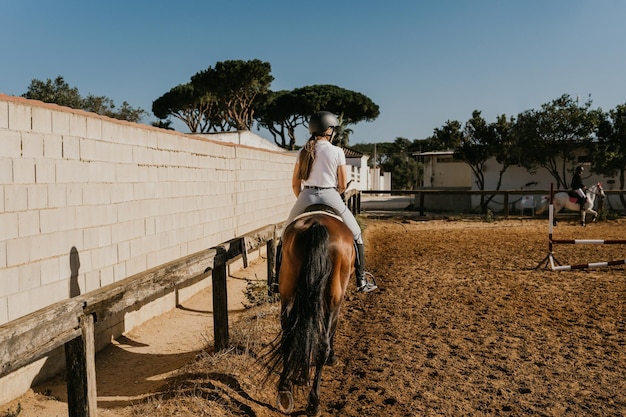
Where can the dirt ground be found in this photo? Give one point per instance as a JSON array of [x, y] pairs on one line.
[[464, 323]]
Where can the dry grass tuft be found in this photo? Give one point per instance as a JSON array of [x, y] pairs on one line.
[[220, 383]]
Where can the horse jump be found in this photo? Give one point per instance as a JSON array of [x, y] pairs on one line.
[[551, 260]]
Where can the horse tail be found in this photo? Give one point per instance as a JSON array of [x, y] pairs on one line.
[[304, 324]]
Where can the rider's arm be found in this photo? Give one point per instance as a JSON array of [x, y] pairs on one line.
[[342, 183], [296, 183]]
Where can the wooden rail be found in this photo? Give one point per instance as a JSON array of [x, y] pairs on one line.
[[420, 194], [70, 323]]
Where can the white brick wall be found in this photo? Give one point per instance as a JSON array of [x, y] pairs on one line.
[[128, 197], [122, 197]]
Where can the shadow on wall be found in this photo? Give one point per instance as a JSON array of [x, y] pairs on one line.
[[74, 267]]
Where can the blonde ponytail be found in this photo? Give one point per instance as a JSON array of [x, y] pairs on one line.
[[306, 158]]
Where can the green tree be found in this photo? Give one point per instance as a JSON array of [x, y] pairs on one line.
[[198, 110], [285, 111], [477, 146], [57, 91], [447, 137], [238, 87], [555, 133], [342, 133], [402, 166], [506, 147], [610, 153], [60, 92], [281, 113]]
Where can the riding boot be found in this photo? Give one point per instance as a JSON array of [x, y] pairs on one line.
[[363, 284]]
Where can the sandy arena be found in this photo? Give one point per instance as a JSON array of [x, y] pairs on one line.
[[463, 325]]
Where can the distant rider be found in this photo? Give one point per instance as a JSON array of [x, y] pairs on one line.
[[578, 187]]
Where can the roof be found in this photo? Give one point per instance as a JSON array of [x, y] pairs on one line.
[[351, 153]]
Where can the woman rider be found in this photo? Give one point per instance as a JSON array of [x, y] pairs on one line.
[[578, 187], [319, 177]]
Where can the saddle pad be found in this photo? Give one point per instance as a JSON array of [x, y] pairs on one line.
[[310, 213]]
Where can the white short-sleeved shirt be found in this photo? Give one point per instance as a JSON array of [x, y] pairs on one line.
[[328, 158]]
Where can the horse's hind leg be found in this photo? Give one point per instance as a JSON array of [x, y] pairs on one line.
[[332, 358], [313, 407]]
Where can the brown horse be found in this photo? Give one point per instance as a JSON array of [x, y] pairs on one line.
[[318, 257]]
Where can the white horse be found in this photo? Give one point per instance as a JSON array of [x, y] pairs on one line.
[[564, 200]]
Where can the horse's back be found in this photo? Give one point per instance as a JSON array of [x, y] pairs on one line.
[[333, 223]]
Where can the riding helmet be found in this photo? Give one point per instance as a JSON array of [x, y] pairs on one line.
[[321, 121], [579, 169]]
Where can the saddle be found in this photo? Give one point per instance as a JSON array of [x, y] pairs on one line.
[[319, 209], [575, 198]]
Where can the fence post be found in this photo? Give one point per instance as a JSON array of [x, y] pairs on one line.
[[80, 358], [506, 204], [220, 300]]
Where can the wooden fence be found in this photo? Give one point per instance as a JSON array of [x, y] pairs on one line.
[[507, 203], [70, 323]]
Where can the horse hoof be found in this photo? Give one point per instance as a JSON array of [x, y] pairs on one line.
[[313, 410], [284, 401], [332, 360]]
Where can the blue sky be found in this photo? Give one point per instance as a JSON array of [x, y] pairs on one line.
[[422, 61]]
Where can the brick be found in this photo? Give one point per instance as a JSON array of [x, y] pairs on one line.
[[119, 272], [92, 281], [101, 172], [107, 276], [94, 128], [15, 198], [37, 197], [71, 147], [9, 282], [78, 125], [18, 251], [96, 194], [57, 219], [19, 117], [4, 115], [6, 170], [4, 309], [53, 146], [32, 145], [51, 272], [3, 254], [57, 195], [23, 171], [28, 223], [11, 144], [45, 171], [60, 123], [29, 276], [9, 226], [42, 120], [74, 194], [71, 171], [103, 257]]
